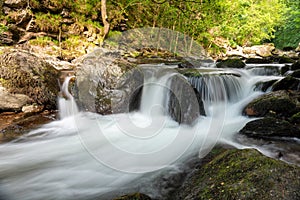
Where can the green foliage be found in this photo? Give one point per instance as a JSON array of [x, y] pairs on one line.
[[3, 28], [48, 22], [43, 41], [216, 24], [287, 34]]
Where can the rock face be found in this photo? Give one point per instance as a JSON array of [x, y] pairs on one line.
[[242, 174], [277, 103], [270, 127], [23, 73]]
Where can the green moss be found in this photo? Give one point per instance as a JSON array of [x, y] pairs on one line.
[[43, 41], [245, 174], [190, 72], [295, 118]]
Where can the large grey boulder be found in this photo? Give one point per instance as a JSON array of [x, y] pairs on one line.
[[106, 83]]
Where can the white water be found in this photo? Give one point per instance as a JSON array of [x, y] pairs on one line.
[[85, 155]]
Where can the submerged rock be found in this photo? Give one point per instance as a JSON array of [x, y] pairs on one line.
[[242, 174], [269, 128]]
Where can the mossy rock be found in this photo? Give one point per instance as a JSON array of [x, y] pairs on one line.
[[287, 83], [296, 73], [295, 118], [134, 196], [270, 128], [24, 73], [231, 63], [242, 174], [258, 61], [285, 59], [295, 65], [278, 104]]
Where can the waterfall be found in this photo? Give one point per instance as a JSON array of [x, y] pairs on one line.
[[154, 99], [90, 156], [66, 103]]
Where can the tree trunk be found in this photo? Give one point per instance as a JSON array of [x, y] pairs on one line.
[[104, 17]]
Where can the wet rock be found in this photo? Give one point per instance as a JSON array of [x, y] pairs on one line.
[[231, 63], [295, 65], [284, 69], [242, 174], [185, 104], [277, 103], [20, 124], [270, 127], [264, 86], [258, 61], [24, 73], [134, 196], [287, 83], [295, 74], [285, 59]]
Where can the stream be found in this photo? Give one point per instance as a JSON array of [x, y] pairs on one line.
[[84, 155]]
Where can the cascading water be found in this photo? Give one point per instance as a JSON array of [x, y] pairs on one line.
[[66, 103], [87, 156]]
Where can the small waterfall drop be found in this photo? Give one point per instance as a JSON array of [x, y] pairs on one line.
[[66, 102], [154, 99]]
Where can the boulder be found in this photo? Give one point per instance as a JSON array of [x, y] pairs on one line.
[[231, 63], [295, 74], [185, 103], [287, 83], [22, 72], [295, 65], [285, 59], [106, 83], [269, 127], [241, 174], [263, 50], [277, 103]]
